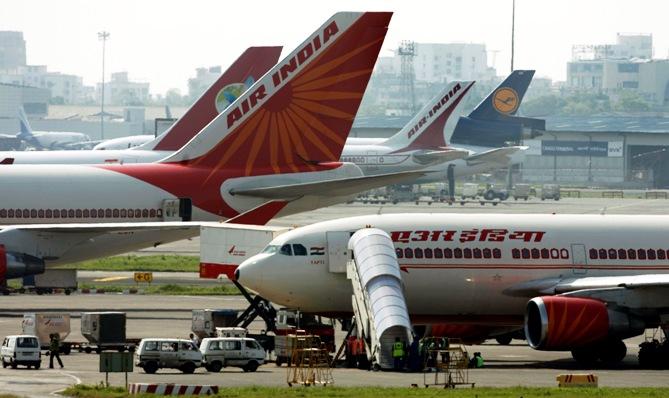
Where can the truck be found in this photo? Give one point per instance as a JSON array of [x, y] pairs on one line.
[[521, 191], [43, 325], [550, 191], [106, 331], [469, 191], [223, 249], [291, 323], [51, 281]]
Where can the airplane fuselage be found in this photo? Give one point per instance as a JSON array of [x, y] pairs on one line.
[[471, 268]]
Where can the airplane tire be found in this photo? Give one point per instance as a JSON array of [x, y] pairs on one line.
[[503, 340], [586, 356]]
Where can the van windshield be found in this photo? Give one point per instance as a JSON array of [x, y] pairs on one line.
[[26, 342]]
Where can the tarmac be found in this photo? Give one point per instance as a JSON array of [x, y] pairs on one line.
[[169, 316]]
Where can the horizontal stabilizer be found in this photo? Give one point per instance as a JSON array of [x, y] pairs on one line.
[[500, 156], [442, 156], [337, 187], [260, 215]]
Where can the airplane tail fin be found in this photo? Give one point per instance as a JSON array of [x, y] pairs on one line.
[[426, 129], [248, 68], [506, 98], [25, 132], [298, 115]]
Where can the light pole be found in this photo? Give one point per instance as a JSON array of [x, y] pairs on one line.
[[103, 36], [513, 30]]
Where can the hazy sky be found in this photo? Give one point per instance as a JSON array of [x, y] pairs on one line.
[[163, 41]]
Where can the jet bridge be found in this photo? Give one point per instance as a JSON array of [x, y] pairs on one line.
[[378, 296]]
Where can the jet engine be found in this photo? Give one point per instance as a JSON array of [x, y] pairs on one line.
[[17, 265], [560, 323]]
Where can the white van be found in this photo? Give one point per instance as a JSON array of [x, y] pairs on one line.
[[241, 352], [21, 350], [154, 354]]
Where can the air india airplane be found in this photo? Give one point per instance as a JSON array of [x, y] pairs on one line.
[[579, 283], [274, 151], [249, 67]]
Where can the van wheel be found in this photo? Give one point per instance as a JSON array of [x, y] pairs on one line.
[[150, 367], [188, 367], [88, 350], [279, 361], [37, 366], [4, 364], [215, 367], [13, 365], [251, 366]]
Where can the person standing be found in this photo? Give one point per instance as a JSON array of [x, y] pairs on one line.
[[54, 349], [195, 339], [398, 354]]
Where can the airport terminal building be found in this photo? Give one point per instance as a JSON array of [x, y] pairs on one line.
[[591, 151]]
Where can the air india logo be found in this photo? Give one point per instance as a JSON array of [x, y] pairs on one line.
[[505, 100], [230, 93]]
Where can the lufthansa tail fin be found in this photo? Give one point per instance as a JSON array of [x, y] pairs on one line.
[[426, 129], [300, 113], [248, 68], [506, 98]]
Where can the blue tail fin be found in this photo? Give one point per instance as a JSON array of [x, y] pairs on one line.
[[506, 98], [25, 132]]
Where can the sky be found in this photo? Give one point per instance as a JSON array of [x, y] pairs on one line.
[[162, 42]]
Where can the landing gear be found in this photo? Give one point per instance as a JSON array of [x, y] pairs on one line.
[[653, 353], [450, 176], [610, 351]]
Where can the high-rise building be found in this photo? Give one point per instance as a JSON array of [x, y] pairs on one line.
[[12, 50], [121, 91]]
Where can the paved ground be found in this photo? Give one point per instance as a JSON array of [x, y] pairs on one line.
[[169, 316]]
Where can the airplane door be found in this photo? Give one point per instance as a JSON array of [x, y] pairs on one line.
[[337, 242], [371, 160], [579, 259]]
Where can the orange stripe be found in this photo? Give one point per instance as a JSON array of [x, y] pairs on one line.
[[309, 134], [325, 82], [258, 141], [316, 107], [327, 95]]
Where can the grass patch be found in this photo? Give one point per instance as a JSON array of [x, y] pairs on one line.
[[170, 289], [84, 391], [159, 263]]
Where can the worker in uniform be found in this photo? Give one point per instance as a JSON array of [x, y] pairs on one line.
[[398, 354], [54, 349], [351, 351], [194, 339]]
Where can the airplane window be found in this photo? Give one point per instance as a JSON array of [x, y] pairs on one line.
[[418, 252], [138, 213], [70, 213], [602, 254], [622, 254], [285, 250], [152, 213], [477, 253], [593, 254], [108, 213], [78, 213], [651, 254], [544, 253], [124, 213], [408, 253], [33, 213], [487, 253], [496, 253], [641, 254], [115, 213], [564, 253], [448, 253], [399, 253], [26, 213], [3, 213], [661, 254], [299, 250], [87, 213], [613, 254], [438, 253], [63, 213], [468, 253], [270, 249], [535, 253], [525, 253], [457, 253], [631, 254], [47, 213], [56, 213], [94, 213], [145, 213], [428, 253], [555, 253]]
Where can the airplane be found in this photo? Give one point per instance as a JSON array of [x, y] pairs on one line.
[[575, 283], [124, 142], [46, 140], [274, 151], [253, 63], [376, 155]]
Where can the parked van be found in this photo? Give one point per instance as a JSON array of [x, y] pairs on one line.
[[21, 350], [154, 354], [240, 352]]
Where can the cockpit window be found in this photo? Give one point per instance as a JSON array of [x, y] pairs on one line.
[[299, 250], [271, 249], [285, 250]]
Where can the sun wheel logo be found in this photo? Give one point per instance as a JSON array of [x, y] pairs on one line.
[[231, 92]]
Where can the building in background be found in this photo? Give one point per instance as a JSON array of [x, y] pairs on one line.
[[34, 101], [12, 50], [204, 78], [121, 91]]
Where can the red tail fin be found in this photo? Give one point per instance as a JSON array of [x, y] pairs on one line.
[[246, 70], [301, 112]]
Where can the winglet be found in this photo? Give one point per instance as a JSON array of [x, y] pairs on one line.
[[260, 215]]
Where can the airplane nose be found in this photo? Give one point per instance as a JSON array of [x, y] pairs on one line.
[[237, 274], [249, 273]]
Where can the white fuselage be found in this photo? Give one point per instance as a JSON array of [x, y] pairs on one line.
[[84, 156], [460, 267], [55, 139], [124, 142]]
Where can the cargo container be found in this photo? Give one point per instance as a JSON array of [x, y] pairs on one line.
[[106, 331], [43, 325]]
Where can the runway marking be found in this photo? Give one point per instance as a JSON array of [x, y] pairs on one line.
[[76, 381], [112, 279]]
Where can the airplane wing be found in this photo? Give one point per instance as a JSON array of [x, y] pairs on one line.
[[497, 155], [336, 187], [441, 156], [630, 291]]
